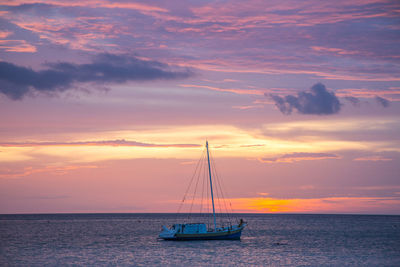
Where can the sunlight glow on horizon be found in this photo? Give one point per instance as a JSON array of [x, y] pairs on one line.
[[315, 205]]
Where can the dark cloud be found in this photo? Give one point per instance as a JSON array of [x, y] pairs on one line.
[[17, 81], [383, 101], [318, 101], [353, 100]]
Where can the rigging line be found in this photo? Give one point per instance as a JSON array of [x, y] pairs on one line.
[[223, 195], [194, 193], [201, 174], [190, 183], [216, 186], [216, 189], [207, 193], [228, 214], [226, 193], [218, 201], [206, 186], [208, 200], [218, 178], [202, 194], [223, 198], [230, 204]]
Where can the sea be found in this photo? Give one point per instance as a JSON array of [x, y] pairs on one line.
[[132, 240]]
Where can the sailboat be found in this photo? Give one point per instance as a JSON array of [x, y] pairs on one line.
[[200, 231]]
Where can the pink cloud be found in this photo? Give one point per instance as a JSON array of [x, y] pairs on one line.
[[90, 3], [249, 65], [20, 46], [372, 158], [231, 90], [391, 94], [252, 91], [299, 156], [255, 14], [5, 34], [81, 35], [247, 107], [334, 50], [120, 142], [58, 170]]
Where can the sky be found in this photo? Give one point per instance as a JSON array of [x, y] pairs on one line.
[[105, 106]]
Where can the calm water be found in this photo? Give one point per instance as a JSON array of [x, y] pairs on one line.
[[131, 239]]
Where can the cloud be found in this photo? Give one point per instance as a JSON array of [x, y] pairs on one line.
[[23, 5], [392, 94], [353, 100], [298, 156], [59, 170], [255, 145], [383, 101], [333, 50], [20, 46], [372, 158], [17, 81], [49, 197], [5, 34], [120, 142], [230, 90], [318, 101]]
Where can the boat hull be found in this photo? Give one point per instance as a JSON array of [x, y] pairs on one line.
[[229, 235]]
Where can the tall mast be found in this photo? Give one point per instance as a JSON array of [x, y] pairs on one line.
[[212, 195]]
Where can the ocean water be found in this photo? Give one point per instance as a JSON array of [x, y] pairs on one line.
[[131, 240]]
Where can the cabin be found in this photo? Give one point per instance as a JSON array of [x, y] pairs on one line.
[[190, 228]]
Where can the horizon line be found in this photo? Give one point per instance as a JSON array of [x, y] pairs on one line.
[[175, 213]]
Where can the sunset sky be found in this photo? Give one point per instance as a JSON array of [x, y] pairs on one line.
[[105, 106]]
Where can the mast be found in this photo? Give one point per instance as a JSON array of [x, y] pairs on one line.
[[212, 195]]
